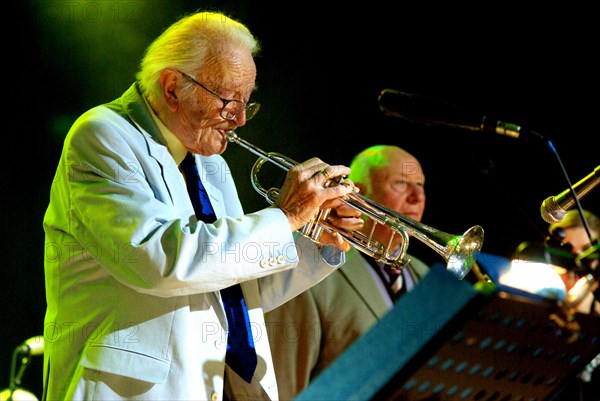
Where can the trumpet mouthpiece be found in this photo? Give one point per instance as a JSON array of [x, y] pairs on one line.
[[231, 136]]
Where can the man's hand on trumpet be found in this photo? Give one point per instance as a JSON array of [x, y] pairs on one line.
[[307, 190], [342, 216]]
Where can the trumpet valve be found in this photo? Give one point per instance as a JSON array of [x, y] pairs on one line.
[[314, 229]]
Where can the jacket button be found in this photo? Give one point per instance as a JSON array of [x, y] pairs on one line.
[[264, 263], [280, 259]]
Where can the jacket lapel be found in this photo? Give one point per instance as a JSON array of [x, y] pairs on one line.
[[132, 106], [358, 272]]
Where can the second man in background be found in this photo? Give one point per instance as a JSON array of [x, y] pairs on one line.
[[310, 331]]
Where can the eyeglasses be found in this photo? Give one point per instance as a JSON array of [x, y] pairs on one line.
[[231, 107]]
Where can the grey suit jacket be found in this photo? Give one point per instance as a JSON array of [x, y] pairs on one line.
[[132, 279], [311, 330]]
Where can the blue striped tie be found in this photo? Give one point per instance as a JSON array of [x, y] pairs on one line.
[[241, 355]]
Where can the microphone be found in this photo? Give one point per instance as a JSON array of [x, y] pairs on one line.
[[426, 110], [554, 208], [32, 346]]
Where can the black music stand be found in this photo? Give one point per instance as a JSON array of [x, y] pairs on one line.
[[447, 341]]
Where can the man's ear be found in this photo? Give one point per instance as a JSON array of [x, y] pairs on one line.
[[169, 79], [362, 189]]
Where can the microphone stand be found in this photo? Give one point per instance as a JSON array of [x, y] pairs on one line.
[[15, 377], [575, 197], [585, 285]]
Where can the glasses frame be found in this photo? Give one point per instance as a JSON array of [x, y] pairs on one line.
[[250, 108]]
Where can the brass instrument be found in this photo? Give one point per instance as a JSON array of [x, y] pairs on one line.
[[457, 250]]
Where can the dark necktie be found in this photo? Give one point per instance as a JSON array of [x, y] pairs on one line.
[[388, 276], [241, 355], [394, 275]]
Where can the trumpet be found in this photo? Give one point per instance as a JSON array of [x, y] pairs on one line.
[[457, 250]]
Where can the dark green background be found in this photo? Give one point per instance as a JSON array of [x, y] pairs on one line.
[[320, 72]]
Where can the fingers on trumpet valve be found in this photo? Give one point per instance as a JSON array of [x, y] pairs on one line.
[[340, 180], [325, 173]]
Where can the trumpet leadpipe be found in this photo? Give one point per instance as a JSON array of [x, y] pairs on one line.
[[285, 164]]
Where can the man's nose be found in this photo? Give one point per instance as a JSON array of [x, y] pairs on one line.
[[416, 192]]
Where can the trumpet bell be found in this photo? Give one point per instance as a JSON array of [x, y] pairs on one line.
[[460, 257]]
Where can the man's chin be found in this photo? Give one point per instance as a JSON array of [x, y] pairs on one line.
[[223, 147], [216, 150]]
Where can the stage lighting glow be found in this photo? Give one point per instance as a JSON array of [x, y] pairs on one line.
[[535, 278]]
